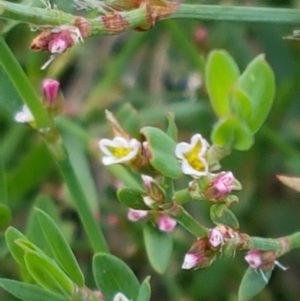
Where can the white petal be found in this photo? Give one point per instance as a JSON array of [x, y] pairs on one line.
[[24, 116], [190, 261], [120, 297], [182, 148]]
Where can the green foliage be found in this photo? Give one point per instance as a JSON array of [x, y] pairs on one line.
[[159, 247], [112, 276], [242, 102], [162, 149], [145, 290], [220, 214], [253, 283], [132, 198]]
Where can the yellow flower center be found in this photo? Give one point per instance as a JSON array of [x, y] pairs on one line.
[[193, 157], [119, 152]]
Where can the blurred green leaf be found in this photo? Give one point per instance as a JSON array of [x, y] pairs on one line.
[[221, 74], [159, 247], [219, 214], [172, 130], [232, 133], [5, 216], [162, 149], [47, 273], [60, 247], [240, 104], [258, 83], [145, 290], [112, 276], [28, 292], [253, 283], [132, 198]]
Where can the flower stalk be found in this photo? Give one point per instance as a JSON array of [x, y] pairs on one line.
[[137, 17]]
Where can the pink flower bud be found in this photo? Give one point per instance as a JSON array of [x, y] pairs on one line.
[[215, 238], [191, 260], [221, 186], [254, 259], [60, 41], [50, 89], [166, 223], [135, 215]]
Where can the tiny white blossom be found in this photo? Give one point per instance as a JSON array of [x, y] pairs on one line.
[[192, 156], [120, 297], [118, 150], [135, 215], [24, 116], [190, 261]]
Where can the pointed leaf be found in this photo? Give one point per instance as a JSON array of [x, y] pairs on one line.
[[145, 291], [28, 292], [253, 282], [162, 149], [47, 273], [159, 247], [258, 83], [5, 216], [232, 133], [132, 198], [221, 74], [219, 214], [172, 130], [60, 247], [112, 275]]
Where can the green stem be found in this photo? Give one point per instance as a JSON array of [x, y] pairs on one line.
[[263, 244], [23, 86], [90, 225], [294, 240], [187, 221], [138, 17]]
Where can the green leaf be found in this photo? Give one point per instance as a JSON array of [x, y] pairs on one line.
[[132, 198], [221, 74], [240, 104], [232, 133], [253, 282], [11, 235], [5, 216], [112, 275], [47, 273], [162, 149], [28, 292], [258, 83], [145, 291], [159, 247], [60, 247], [130, 120], [172, 130], [219, 214]]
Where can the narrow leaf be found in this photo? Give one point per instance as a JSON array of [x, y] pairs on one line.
[[28, 292], [47, 274], [253, 283], [159, 247], [60, 247], [145, 291], [112, 275], [219, 214], [172, 130]]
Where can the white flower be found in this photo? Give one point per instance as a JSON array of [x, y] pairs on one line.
[[120, 297], [192, 156], [135, 215], [118, 150], [24, 116], [190, 261]]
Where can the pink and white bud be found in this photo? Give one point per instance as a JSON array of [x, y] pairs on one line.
[[254, 259], [148, 201], [191, 260], [215, 238], [24, 116], [148, 181], [50, 89], [166, 223], [221, 186], [60, 42], [135, 215]]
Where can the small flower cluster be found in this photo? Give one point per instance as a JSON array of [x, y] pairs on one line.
[[206, 249]]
